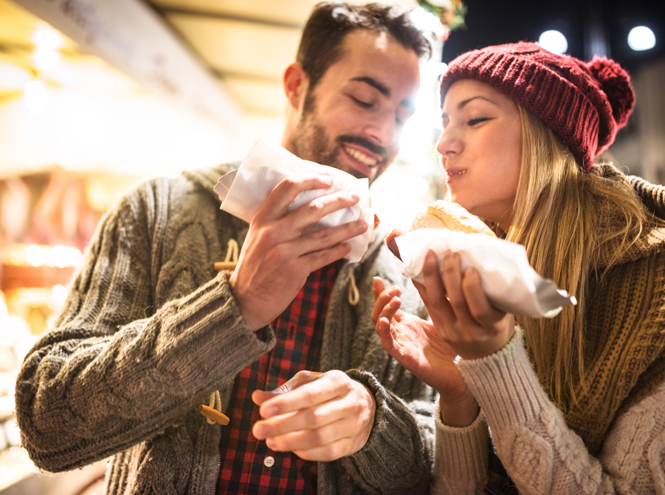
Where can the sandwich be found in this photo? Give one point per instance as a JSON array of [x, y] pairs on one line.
[[442, 215]]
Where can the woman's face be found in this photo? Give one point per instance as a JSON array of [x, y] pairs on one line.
[[481, 150]]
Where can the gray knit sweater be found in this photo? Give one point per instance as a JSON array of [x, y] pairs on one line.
[[149, 331]]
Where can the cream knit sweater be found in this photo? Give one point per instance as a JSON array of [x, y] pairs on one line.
[[539, 451]]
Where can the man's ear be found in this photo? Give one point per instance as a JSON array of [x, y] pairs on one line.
[[295, 85]]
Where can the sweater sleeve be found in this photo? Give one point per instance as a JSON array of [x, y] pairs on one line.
[[109, 374], [460, 457], [395, 459], [538, 450]]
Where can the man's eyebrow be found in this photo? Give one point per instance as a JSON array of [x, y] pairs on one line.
[[461, 104], [384, 90], [374, 83]]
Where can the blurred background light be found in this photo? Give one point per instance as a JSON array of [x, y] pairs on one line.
[[34, 255], [47, 39], [35, 97], [45, 59], [641, 38], [426, 21], [553, 41], [12, 78]]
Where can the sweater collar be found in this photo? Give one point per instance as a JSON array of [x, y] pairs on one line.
[[651, 241], [207, 177]]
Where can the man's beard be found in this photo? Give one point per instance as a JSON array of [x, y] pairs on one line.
[[312, 142]]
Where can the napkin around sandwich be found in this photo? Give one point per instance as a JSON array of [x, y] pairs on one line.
[[509, 281], [244, 190]]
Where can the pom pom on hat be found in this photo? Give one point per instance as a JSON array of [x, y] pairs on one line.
[[615, 82], [584, 104]]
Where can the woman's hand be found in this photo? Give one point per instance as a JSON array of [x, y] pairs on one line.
[[417, 346], [461, 312]]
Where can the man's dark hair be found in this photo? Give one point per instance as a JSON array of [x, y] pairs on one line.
[[321, 42]]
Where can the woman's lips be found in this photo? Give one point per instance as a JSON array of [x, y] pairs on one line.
[[455, 172]]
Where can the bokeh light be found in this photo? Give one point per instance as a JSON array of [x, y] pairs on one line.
[[553, 41], [641, 38]]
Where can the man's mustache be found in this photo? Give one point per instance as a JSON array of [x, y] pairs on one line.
[[374, 148]]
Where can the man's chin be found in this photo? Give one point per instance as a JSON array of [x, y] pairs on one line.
[[338, 162], [356, 173]]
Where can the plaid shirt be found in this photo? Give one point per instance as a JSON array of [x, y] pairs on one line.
[[247, 465]]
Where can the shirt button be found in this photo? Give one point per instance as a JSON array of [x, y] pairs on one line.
[[268, 461]]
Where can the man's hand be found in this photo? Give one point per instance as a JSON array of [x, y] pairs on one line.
[[277, 258], [317, 416]]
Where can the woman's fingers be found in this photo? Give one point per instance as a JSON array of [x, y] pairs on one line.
[[422, 291], [452, 278], [390, 310], [378, 285], [436, 301], [383, 298], [478, 305]]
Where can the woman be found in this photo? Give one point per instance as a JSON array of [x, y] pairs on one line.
[[576, 403]]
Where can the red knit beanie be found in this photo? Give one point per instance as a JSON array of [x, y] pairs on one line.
[[585, 104]]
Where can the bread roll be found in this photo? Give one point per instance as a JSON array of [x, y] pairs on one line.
[[446, 215], [442, 215]]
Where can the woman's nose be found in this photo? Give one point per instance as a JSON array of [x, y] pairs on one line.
[[449, 144]]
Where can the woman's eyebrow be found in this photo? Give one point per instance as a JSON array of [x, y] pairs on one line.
[[468, 100], [462, 103]]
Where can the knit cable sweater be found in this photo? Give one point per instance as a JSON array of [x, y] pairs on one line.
[[539, 448], [149, 331]]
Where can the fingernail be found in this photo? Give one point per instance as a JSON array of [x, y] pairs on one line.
[[470, 271], [260, 432], [449, 255], [354, 197], [362, 224]]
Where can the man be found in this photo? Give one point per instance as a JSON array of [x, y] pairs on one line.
[[150, 332]]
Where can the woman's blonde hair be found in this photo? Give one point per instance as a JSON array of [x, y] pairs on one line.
[[564, 217]]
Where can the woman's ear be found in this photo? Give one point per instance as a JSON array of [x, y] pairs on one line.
[[295, 85]]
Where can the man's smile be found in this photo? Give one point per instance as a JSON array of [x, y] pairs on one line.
[[360, 156]]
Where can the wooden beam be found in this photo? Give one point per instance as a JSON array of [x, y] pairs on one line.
[[132, 37]]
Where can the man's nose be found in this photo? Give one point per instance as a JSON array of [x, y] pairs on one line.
[[383, 131]]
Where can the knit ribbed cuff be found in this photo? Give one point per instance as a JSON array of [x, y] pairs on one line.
[[461, 453], [394, 454], [505, 385]]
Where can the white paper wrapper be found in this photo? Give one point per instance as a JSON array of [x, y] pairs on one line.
[[511, 284], [243, 191]]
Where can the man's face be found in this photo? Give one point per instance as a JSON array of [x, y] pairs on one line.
[[353, 118]]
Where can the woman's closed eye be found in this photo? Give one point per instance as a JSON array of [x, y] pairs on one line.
[[477, 121]]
